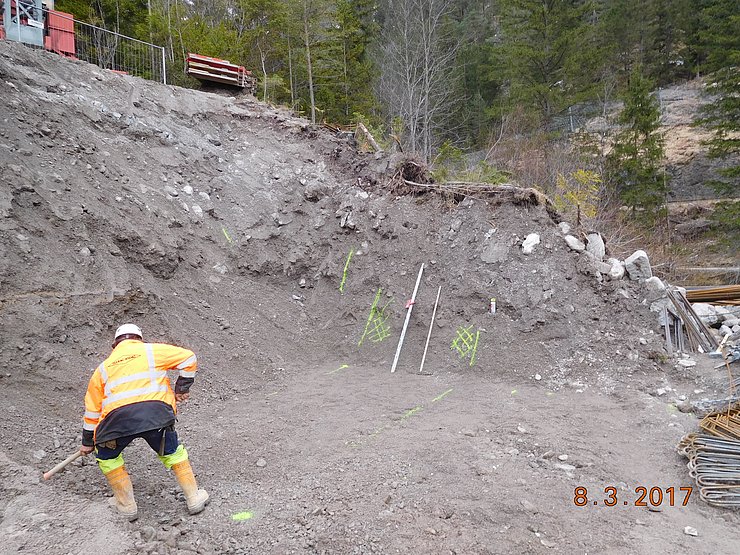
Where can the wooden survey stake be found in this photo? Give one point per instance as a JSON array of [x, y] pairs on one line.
[[429, 335], [409, 307]]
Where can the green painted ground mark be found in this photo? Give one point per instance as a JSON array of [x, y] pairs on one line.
[[475, 348], [226, 234], [442, 396], [273, 393], [465, 343], [406, 415], [411, 412], [376, 326], [238, 517], [344, 273], [342, 367]]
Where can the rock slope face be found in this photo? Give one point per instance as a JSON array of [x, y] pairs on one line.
[[226, 224], [261, 242]]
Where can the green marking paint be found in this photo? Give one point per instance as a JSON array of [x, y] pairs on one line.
[[238, 517], [475, 348], [442, 396], [549, 394], [411, 412], [226, 234], [370, 316], [344, 273], [342, 367], [513, 391], [273, 393]]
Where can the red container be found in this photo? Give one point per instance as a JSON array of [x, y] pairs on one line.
[[61, 37]]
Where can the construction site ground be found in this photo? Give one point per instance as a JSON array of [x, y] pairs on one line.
[[305, 440]]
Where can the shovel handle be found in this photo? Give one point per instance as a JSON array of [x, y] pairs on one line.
[[73, 457]]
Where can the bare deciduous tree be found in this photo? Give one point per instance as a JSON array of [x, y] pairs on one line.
[[418, 54]]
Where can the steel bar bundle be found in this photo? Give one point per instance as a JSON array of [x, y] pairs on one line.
[[724, 295], [724, 424], [714, 464], [696, 329]]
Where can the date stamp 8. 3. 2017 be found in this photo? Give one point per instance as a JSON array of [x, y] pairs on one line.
[[644, 497]]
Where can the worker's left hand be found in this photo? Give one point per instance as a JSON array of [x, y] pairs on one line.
[[86, 450], [182, 397]]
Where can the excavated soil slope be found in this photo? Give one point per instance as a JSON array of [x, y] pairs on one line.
[[225, 225]]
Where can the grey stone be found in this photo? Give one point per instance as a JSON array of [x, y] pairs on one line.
[[529, 506], [707, 313], [187, 189], [617, 270], [197, 210], [170, 190], [637, 266], [566, 467], [725, 330], [315, 191], [530, 242], [595, 245], [575, 244], [564, 227], [261, 463], [494, 252]]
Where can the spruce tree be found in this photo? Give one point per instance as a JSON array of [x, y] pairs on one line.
[[635, 163]]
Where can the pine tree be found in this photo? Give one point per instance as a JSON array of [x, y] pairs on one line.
[[539, 38]]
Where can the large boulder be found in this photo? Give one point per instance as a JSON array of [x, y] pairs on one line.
[[595, 245], [529, 243], [637, 266], [575, 244], [655, 288], [617, 270]]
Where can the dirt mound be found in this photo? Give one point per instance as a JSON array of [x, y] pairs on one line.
[[274, 250]]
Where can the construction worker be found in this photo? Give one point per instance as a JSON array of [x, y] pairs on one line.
[[129, 396]]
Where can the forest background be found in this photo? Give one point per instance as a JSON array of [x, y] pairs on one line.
[[483, 90]]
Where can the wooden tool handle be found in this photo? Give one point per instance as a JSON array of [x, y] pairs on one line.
[[73, 457]]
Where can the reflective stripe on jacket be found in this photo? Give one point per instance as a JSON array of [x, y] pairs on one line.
[[135, 372]]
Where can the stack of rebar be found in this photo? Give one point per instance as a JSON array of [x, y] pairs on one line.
[[714, 464], [724, 423], [724, 295], [697, 332]]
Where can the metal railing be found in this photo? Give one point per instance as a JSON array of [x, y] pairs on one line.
[[108, 49]]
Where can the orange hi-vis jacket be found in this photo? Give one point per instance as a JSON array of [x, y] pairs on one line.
[[134, 372]]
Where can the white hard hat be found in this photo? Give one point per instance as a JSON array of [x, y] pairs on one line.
[[125, 329]]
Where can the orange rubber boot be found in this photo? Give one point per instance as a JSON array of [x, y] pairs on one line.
[[197, 499], [123, 493]]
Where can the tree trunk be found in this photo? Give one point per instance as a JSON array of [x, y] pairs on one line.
[[309, 67], [290, 76]]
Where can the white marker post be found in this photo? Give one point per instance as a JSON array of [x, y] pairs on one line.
[[429, 335], [408, 317]]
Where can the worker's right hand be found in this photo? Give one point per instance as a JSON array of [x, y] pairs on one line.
[[86, 450], [182, 397]]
